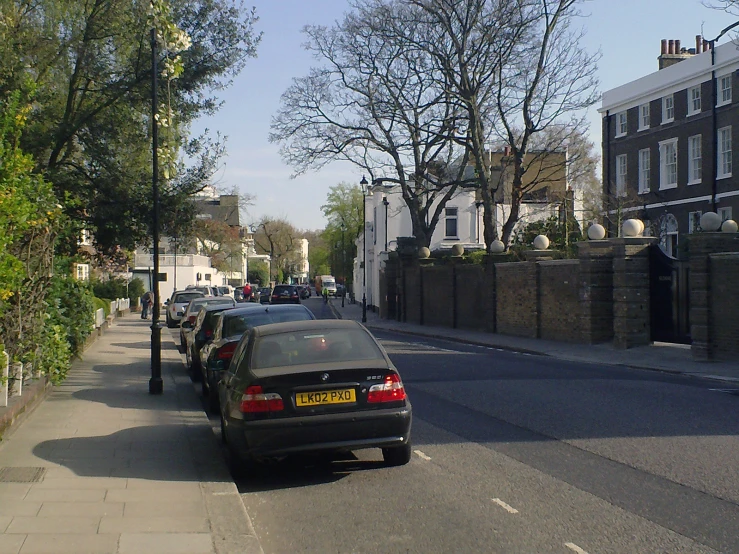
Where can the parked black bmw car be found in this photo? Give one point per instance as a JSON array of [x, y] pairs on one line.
[[312, 386]]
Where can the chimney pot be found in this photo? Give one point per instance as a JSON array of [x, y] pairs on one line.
[[706, 45], [670, 46], [677, 47], [698, 43], [664, 46]]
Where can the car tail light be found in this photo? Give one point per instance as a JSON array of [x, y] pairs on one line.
[[208, 333], [294, 296], [256, 400], [389, 391], [226, 351]]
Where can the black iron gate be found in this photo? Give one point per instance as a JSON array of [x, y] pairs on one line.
[[669, 292]]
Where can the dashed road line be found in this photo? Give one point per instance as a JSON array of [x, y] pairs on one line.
[[574, 547], [422, 455], [505, 506]]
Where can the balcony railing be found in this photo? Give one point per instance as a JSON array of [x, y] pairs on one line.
[[168, 260]]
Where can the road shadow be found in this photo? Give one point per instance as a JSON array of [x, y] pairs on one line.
[[136, 396], [157, 452], [304, 471]]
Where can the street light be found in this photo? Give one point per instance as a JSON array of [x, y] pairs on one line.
[[343, 264], [364, 184], [156, 385], [385, 201]]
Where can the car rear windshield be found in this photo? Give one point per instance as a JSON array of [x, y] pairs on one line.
[[238, 325], [314, 347], [184, 297]]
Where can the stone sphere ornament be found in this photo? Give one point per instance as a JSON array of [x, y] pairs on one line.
[[424, 253], [497, 247], [641, 227], [541, 242], [457, 250], [632, 228], [729, 226], [711, 222], [596, 232]]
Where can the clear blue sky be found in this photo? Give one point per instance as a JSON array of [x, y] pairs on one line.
[[627, 32]]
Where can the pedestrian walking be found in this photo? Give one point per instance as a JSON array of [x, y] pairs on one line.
[[146, 302], [247, 292]]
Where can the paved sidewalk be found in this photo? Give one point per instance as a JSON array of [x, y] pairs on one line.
[[122, 471], [672, 358]]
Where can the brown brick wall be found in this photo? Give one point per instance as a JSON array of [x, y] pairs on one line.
[[412, 294], [516, 294], [471, 297], [437, 290], [559, 301], [725, 305]]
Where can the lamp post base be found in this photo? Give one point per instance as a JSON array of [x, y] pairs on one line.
[[364, 309], [156, 385]]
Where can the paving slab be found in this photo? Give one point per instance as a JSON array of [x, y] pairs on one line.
[[70, 544], [125, 471]]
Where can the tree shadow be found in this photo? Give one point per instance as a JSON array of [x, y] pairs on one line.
[[183, 452]]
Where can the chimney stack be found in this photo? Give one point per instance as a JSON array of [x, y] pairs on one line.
[[664, 46], [671, 52]]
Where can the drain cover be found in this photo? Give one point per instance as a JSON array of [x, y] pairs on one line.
[[21, 474]]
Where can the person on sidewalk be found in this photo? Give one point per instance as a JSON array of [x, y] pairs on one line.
[[146, 302], [247, 292]]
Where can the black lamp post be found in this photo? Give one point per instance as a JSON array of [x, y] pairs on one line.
[[364, 184], [343, 264], [385, 201], [156, 385]]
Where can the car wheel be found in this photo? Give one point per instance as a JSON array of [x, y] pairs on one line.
[[214, 404], [240, 467], [224, 440], [397, 455], [204, 388]]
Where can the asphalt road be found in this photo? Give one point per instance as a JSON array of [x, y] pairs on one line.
[[516, 453]]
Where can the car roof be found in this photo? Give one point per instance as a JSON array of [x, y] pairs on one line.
[[268, 308], [311, 325], [218, 306]]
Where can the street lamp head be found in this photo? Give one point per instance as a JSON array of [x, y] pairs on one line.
[[385, 200], [363, 182]]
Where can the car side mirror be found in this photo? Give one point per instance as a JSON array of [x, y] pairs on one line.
[[166, 302], [186, 325]]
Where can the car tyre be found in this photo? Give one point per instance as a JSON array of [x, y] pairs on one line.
[[204, 388], [397, 455], [224, 440], [214, 404]]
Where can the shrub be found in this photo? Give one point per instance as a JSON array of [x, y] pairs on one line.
[[71, 306], [101, 303]]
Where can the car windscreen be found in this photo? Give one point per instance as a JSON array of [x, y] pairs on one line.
[[314, 347], [240, 324], [185, 297]]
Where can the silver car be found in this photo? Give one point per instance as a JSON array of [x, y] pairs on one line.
[[177, 304]]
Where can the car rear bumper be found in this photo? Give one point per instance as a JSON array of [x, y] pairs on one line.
[[343, 431]]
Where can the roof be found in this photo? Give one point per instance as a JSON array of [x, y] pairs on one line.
[[224, 208], [312, 325], [267, 308]]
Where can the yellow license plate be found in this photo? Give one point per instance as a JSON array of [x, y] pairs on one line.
[[325, 397]]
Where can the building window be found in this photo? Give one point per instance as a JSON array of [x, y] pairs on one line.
[[724, 90], [694, 100], [724, 152], [643, 117], [621, 124], [644, 171], [694, 160], [725, 213], [668, 164], [694, 221], [450, 223], [621, 175], [668, 109]]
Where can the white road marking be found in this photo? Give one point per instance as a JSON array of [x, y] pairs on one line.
[[573, 546], [505, 506], [422, 455]]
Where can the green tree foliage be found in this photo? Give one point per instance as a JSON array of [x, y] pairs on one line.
[[90, 63], [563, 234], [343, 210]]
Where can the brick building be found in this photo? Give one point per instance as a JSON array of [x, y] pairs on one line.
[[668, 143]]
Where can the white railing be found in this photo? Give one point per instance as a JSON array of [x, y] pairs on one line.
[[189, 260], [99, 318], [124, 304]]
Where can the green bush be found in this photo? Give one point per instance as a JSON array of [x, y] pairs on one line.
[[71, 306], [103, 303], [54, 355], [116, 288]]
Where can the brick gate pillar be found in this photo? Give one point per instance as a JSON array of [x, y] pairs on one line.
[[631, 319], [596, 290], [704, 280]]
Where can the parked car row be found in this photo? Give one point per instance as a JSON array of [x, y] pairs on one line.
[[285, 383]]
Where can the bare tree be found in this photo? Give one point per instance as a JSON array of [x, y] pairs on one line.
[[376, 102], [518, 69], [279, 239]]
